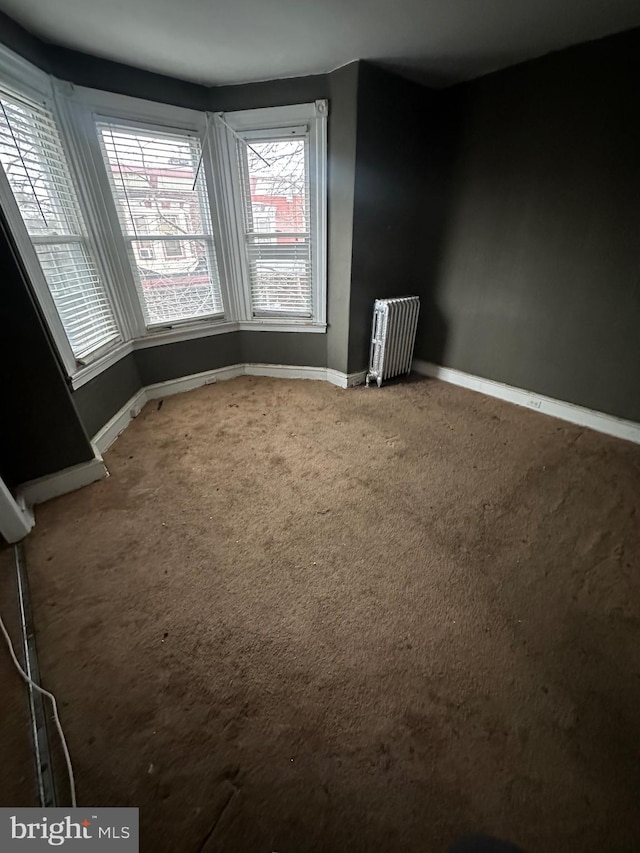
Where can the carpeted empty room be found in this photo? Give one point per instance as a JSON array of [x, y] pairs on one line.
[[320, 446], [297, 617]]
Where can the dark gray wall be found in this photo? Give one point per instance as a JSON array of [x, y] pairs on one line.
[[96, 73], [398, 200], [310, 349], [41, 431], [538, 284], [23, 42], [98, 400], [269, 93], [171, 361]]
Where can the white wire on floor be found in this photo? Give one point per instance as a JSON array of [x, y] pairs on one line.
[[52, 699]]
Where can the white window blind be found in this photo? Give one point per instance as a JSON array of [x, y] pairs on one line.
[[274, 176], [159, 189], [36, 168]]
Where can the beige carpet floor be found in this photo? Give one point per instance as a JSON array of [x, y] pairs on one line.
[[297, 618]]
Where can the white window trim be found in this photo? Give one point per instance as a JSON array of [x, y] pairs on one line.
[[123, 241], [313, 115], [75, 109]]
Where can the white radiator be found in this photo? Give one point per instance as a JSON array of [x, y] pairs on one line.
[[393, 335]]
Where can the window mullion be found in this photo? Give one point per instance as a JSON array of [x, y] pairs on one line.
[[318, 208], [230, 214], [78, 122], [71, 132]]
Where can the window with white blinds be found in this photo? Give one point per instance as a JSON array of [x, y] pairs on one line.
[[142, 223], [37, 172], [159, 189], [274, 176]]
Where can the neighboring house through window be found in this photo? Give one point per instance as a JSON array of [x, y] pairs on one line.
[[160, 196]]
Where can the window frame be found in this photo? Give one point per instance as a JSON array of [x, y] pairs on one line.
[[314, 116], [124, 241]]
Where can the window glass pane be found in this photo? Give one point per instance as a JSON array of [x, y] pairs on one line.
[[36, 169], [275, 182], [34, 162], [277, 175], [160, 194], [175, 284]]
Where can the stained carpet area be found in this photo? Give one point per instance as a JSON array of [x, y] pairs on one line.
[[298, 618]]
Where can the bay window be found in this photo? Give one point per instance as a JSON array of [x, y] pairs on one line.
[[141, 223]]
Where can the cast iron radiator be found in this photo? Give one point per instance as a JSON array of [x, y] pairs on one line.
[[393, 335]]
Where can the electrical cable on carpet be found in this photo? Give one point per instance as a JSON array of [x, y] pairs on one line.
[[52, 699]]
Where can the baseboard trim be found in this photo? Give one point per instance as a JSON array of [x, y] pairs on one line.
[[598, 421], [284, 371], [105, 437], [345, 380], [192, 381], [68, 480]]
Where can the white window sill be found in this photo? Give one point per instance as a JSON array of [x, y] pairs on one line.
[[273, 324], [188, 333], [95, 368], [184, 332]]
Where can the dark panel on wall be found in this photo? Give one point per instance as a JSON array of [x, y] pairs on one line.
[[539, 284], [270, 93], [297, 348], [341, 177], [85, 70], [41, 431], [171, 361], [21, 41], [99, 400], [398, 197]]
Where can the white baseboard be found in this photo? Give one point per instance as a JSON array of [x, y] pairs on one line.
[[284, 371], [105, 437], [53, 485], [194, 380], [277, 371], [345, 380], [598, 421]]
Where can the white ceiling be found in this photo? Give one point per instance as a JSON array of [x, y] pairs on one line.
[[236, 41]]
